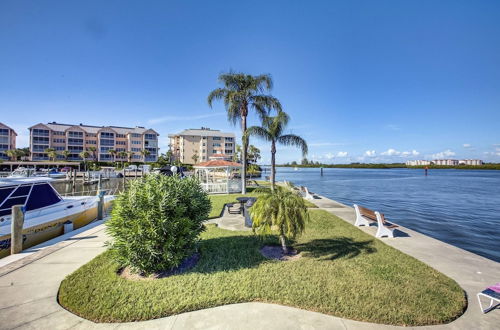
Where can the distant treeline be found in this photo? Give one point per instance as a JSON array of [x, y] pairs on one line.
[[489, 166]]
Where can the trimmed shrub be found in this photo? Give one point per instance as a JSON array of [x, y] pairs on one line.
[[156, 222]]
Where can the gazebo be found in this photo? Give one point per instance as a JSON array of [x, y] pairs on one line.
[[219, 176]]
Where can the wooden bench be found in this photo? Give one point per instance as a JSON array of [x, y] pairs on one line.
[[365, 217]]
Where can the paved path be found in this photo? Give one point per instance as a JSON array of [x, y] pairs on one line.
[[28, 289]]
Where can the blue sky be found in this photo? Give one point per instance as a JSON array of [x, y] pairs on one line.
[[372, 81]]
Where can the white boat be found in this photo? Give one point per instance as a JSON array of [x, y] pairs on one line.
[[23, 172], [45, 210]]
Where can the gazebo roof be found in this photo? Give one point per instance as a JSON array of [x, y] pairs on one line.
[[218, 163]]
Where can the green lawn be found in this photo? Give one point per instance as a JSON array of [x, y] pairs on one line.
[[218, 202], [343, 272]]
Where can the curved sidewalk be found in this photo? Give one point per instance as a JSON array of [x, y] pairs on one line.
[[28, 289]]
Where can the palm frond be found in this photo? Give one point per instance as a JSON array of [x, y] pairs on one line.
[[293, 140], [216, 94], [260, 132]]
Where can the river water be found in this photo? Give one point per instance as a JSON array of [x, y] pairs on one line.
[[460, 207]]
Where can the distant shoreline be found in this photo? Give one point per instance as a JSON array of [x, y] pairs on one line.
[[390, 166]]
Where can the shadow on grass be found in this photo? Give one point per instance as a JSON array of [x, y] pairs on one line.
[[330, 249], [230, 253]]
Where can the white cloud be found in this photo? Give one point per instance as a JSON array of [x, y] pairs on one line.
[[183, 118], [467, 145], [370, 153], [329, 155], [342, 154], [391, 152], [410, 153], [443, 154]]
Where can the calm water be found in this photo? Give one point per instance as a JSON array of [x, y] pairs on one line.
[[460, 207]]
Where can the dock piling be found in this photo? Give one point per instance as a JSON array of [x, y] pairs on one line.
[[100, 206], [16, 233]]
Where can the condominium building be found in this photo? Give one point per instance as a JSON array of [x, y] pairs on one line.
[[194, 145], [77, 138], [472, 162], [7, 140], [418, 163], [445, 162]]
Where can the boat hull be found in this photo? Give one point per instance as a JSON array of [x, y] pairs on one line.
[[40, 233]]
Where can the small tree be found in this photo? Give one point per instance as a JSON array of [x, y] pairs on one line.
[[195, 157], [84, 155], [282, 209], [93, 150], [51, 152], [156, 222], [112, 152], [12, 154], [65, 154], [145, 153]]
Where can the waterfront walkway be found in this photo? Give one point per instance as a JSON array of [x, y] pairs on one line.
[[29, 286]]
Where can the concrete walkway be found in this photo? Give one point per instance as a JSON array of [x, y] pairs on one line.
[[230, 221], [29, 286]]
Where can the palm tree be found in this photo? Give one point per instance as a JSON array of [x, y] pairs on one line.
[[66, 154], [123, 156], [93, 150], [84, 155], [195, 157], [145, 153], [282, 209], [241, 93], [112, 152], [12, 154], [130, 154], [272, 131], [51, 152]]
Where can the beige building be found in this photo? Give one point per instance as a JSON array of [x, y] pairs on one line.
[[7, 140], [77, 138], [194, 145]]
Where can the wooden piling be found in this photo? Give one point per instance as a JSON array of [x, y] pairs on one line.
[[100, 206], [16, 232]]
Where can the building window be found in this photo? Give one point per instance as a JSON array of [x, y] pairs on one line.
[[229, 151], [4, 131], [121, 143], [136, 142], [59, 140], [106, 142], [228, 145], [135, 135], [229, 139], [136, 149], [216, 145], [76, 142], [216, 138], [40, 132], [215, 151], [59, 133], [120, 135], [60, 148], [75, 134], [90, 141], [40, 140]]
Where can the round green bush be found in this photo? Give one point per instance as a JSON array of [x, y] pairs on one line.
[[156, 222]]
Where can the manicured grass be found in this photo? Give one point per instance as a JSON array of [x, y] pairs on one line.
[[218, 202], [343, 272]]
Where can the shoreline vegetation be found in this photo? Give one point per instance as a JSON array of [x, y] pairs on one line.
[[489, 166]]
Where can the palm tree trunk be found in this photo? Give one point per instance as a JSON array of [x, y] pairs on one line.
[[244, 155], [273, 164], [283, 244]]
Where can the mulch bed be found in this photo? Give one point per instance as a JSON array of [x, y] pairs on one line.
[[275, 252], [185, 265]]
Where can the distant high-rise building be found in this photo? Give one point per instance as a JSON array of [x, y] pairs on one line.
[[194, 145], [77, 138], [7, 140]]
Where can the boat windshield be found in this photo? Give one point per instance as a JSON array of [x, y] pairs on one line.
[[31, 196]]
